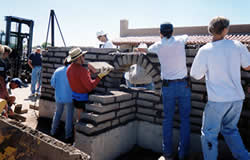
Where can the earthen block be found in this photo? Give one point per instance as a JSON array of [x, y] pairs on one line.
[[96, 67]]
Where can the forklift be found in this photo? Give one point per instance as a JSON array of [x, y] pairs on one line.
[[18, 36]]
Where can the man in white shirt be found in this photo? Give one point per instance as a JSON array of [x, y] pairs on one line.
[[102, 36], [220, 61], [172, 57]]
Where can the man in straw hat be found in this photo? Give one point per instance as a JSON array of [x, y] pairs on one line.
[[80, 80]]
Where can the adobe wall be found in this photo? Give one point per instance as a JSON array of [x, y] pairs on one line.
[[114, 107], [21, 142]]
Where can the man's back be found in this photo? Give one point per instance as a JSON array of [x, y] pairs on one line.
[[172, 57], [62, 89], [221, 62]]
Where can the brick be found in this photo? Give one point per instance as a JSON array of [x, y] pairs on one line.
[[150, 97], [106, 57], [116, 65], [57, 65], [60, 54], [199, 88], [245, 74], [144, 63], [148, 67], [100, 89], [198, 81], [97, 118], [100, 108], [145, 117], [124, 60], [129, 57], [140, 59], [104, 99], [97, 66], [89, 129], [47, 75], [191, 52], [146, 111], [124, 112], [90, 56], [153, 72], [121, 96], [55, 60], [144, 103], [48, 65], [127, 103], [154, 60], [200, 105], [135, 58], [159, 106], [189, 60], [156, 78], [127, 118], [115, 122], [51, 70], [196, 112], [197, 96], [119, 59]]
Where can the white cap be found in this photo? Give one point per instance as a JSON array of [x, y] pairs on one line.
[[100, 33]]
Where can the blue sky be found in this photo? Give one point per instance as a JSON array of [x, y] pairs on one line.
[[80, 19]]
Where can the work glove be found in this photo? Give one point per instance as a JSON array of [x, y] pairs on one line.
[[104, 72]]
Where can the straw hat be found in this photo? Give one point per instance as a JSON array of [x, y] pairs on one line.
[[75, 53]]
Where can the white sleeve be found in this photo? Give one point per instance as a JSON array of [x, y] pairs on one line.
[[199, 66], [244, 56], [108, 44], [153, 48]]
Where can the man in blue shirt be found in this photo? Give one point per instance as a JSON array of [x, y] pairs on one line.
[[63, 96], [35, 62]]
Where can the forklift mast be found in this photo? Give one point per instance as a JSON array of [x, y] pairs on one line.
[[15, 37]]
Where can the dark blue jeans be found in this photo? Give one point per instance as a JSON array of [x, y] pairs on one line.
[[176, 92]]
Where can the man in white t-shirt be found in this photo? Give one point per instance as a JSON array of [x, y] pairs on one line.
[[102, 36], [172, 57], [220, 61]]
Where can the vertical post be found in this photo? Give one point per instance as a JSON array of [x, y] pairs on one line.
[[8, 26], [52, 16]]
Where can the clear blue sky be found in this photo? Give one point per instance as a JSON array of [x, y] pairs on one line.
[[80, 19]]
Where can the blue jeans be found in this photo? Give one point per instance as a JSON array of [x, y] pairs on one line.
[[222, 117], [36, 79], [176, 92], [69, 118]]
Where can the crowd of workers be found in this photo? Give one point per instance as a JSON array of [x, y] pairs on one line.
[[219, 61]]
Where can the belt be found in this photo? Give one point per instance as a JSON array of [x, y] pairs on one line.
[[166, 82], [175, 80]]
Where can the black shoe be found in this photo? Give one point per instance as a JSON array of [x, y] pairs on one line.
[[69, 140]]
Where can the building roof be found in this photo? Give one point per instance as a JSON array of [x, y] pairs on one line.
[[198, 35], [192, 40]]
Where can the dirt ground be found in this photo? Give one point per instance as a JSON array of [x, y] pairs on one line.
[[22, 97]]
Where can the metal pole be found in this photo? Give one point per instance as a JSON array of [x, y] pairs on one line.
[[52, 14]]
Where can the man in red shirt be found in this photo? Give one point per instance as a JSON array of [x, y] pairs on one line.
[[80, 80]]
